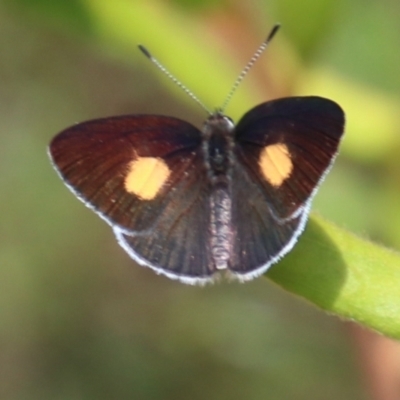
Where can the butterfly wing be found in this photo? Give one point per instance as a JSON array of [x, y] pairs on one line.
[[284, 148], [144, 175], [125, 168], [178, 246]]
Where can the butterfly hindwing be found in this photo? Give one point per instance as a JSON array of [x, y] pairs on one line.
[[179, 243], [259, 237]]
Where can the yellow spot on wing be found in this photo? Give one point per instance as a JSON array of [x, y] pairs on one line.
[[275, 163], [146, 176]]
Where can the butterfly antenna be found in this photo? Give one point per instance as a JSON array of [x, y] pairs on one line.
[[252, 61], [170, 76]]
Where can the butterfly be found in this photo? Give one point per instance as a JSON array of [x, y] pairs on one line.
[[194, 204]]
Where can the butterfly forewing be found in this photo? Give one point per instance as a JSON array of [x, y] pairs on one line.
[[127, 168], [286, 146]]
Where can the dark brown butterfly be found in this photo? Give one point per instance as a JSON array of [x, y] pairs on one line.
[[192, 204]]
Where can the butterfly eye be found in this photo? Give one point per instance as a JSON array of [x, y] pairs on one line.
[[230, 120]]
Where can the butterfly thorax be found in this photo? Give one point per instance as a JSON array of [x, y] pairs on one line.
[[217, 148]]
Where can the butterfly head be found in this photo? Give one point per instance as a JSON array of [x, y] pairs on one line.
[[218, 124]]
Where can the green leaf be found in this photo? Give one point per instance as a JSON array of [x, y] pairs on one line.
[[345, 275]]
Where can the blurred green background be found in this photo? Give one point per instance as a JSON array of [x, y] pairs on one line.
[[78, 320]]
